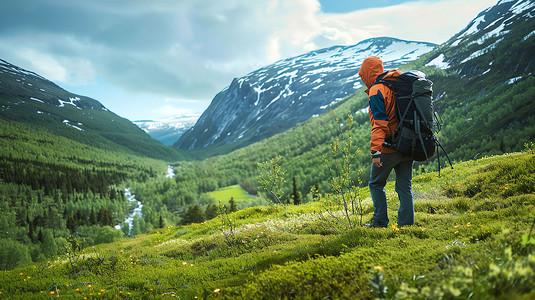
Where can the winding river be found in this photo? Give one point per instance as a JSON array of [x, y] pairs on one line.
[[137, 210]]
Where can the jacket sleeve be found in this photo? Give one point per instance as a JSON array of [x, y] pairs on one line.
[[378, 120]]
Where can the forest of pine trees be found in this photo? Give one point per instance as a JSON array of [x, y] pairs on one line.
[[53, 189]]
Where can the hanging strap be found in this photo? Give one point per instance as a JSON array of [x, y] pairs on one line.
[[446, 154], [438, 158], [419, 132]]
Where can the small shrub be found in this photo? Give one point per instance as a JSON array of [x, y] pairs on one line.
[[529, 147], [378, 283], [511, 276]]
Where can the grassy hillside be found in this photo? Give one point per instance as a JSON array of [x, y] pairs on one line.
[[28, 98], [473, 236]]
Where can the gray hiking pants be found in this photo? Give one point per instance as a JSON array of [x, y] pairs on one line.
[[378, 176]]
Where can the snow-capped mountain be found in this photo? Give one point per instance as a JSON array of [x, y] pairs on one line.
[[274, 98], [169, 130], [486, 89], [474, 50]]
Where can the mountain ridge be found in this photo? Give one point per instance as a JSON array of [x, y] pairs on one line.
[[32, 99]]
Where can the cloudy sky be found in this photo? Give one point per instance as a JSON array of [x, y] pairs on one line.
[[154, 59]]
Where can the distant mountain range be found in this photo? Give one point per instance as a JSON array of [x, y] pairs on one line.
[[29, 98], [169, 130], [274, 98]]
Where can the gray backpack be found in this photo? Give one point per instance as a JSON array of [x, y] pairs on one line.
[[415, 114]]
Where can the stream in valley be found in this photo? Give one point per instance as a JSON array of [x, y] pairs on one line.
[[136, 212], [137, 209]]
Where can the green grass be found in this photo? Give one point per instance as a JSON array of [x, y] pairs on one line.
[[471, 237], [242, 198], [234, 191]]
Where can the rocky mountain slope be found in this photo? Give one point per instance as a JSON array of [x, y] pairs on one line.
[[477, 49], [485, 89], [272, 99]]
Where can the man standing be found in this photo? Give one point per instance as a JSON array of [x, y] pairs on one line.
[[384, 159]]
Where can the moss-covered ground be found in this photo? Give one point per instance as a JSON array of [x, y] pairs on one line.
[[472, 238]]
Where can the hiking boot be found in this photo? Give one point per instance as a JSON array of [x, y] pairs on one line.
[[371, 225]]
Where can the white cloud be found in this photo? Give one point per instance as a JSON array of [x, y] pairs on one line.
[[177, 100], [429, 21], [170, 110], [51, 56], [44, 64]]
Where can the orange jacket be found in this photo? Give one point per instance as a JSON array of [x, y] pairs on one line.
[[382, 100]]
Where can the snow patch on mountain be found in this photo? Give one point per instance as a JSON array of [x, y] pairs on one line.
[[38, 100], [482, 51], [70, 102], [438, 62], [522, 6], [483, 34], [68, 123], [6, 67], [529, 35]]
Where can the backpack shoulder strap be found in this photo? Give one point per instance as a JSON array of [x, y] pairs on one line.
[[388, 78]]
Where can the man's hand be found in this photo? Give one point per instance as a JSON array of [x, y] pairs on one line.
[[377, 162]]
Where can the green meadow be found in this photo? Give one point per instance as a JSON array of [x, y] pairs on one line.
[[236, 192], [224, 194], [473, 239]]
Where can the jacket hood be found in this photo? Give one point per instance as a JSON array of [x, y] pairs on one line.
[[370, 69]]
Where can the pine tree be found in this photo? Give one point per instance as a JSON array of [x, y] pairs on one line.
[[194, 214], [136, 228], [105, 218], [93, 220], [49, 246], [142, 225], [31, 229], [296, 193], [211, 211], [125, 227], [233, 205], [40, 237], [71, 224], [53, 219], [161, 223], [79, 218]]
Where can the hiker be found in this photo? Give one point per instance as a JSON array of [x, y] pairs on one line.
[[384, 159]]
